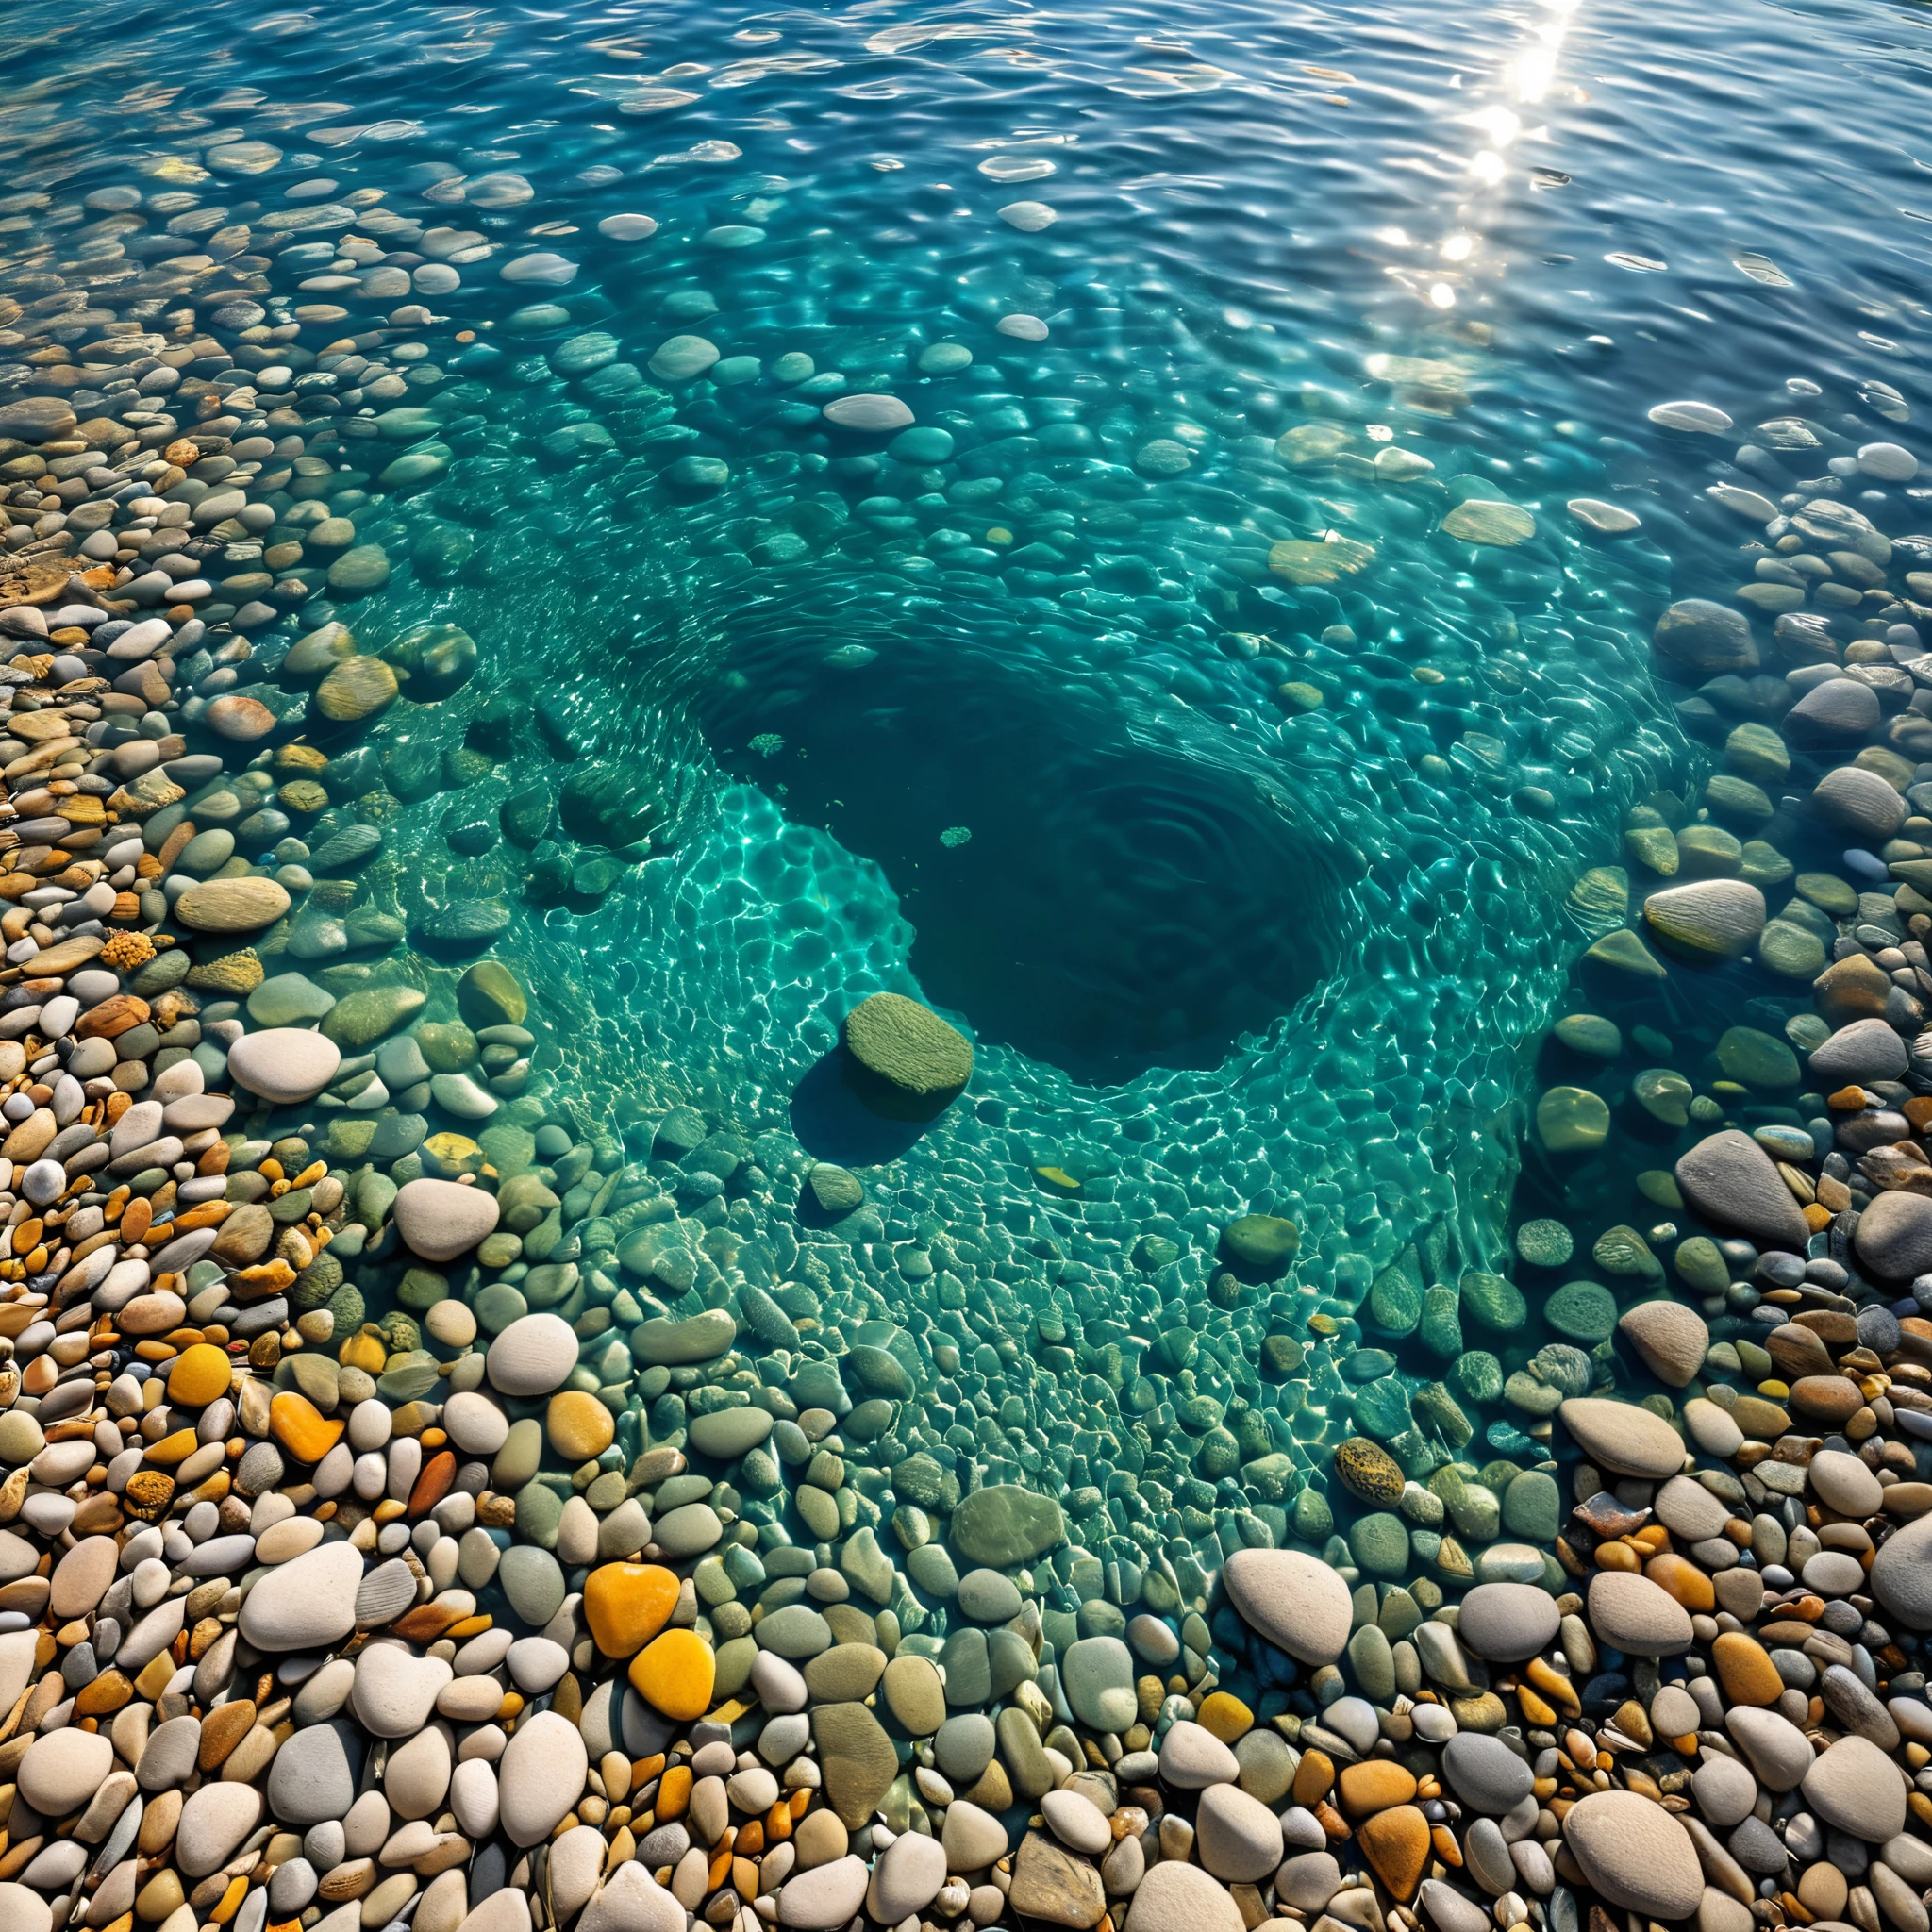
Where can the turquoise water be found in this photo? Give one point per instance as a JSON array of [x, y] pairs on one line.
[[1250, 890]]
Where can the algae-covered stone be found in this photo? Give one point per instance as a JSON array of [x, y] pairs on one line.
[[1441, 1324], [1710, 919], [1572, 1120], [1503, 525], [1622, 956], [1004, 1524], [1587, 1034], [232, 905], [1493, 1302], [1582, 1310], [354, 689], [1756, 752], [1544, 1243], [920, 1480], [1650, 841], [701, 1338], [1791, 952], [857, 1758], [903, 1059], [1267, 1243], [1379, 1544], [1368, 1471], [1532, 1506], [1700, 639], [1395, 1300], [362, 1018], [1623, 1251], [1664, 1094], [487, 995], [1757, 1060]]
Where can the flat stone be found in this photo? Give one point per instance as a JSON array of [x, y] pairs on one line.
[[1853, 800], [1175, 1897], [530, 1579], [1730, 1180], [858, 1758], [1097, 1675], [308, 1603], [1709, 919], [1503, 525], [1705, 640], [1635, 1853], [214, 1821], [1003, 1524], [1193, 1758], [1293, 1600], [541, 1776], [1631, 1613], [232, 905], [441, 1219], [1894, 1235], [313, 1776], [395, 1692], [1773, 1747], [906, 1880], [1671, 1338], [1485, 1773], [1507, 1622], [677, 1344], [284, 1064], [972, 1839], [824, 1896], [674, 1673], [1057, 1886], [1237, 1837], [63, 1769], [873, 414], [916, 1696], [631, 1901], [901, 1057], [1695, 418], [1856, 1787], [533, 1355], [846, 1674]]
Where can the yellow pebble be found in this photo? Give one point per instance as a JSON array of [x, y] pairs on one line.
[[1225, 1716], [365, 1352], [301, 1428], [628, 1604], [199, 1376], [1774, 1390], [171, 1449], [674, 1673], [578, 1425]]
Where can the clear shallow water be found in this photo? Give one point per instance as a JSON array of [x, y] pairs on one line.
[[1307, 947]]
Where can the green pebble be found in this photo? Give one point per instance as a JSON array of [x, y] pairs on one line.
[[1701, 1266], [1585, 1033], [1585, 1311], [1493, 1302], [1544, 1243], [1478, 1376], [1532, 1506], [1313, 1519], [1379, 1544]]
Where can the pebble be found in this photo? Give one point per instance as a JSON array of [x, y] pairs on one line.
[[541, 1776]]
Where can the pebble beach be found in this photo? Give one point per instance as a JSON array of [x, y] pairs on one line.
[[659, 1274]]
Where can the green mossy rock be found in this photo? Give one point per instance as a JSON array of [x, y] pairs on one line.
[[902, 1058], [1493, 1302], [1005, 1525], [1266, 1242]]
